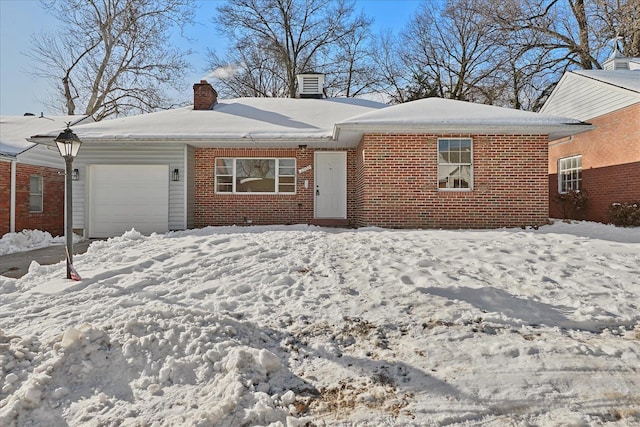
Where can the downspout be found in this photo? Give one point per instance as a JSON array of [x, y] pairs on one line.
[[12, 208]]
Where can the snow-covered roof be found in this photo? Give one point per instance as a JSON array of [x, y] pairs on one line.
[[239, 119], [315, 122], [14, 130], [440, 115], [627, 79]]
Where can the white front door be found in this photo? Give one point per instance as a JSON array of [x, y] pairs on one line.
[[123, 197], [331, 184]]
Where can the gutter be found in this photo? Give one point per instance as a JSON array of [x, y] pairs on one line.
[[248, 141], [554, 131]]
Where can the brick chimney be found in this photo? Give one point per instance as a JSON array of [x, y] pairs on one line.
[[204, 96]]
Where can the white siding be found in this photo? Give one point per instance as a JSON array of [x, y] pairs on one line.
[[583, 98], [171, 155]]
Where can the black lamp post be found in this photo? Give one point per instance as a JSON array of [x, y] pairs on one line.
[[68, 144]]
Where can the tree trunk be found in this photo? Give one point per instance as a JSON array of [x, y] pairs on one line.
[[584, 50], [71, 106]]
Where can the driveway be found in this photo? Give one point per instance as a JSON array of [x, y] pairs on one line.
[[17, 264]]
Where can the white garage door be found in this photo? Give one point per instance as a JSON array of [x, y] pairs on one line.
[[123, 197]]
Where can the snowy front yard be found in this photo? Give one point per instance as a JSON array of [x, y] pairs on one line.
[[295, 326]]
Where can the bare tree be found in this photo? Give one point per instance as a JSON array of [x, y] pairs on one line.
[[111, 56], [250, 72], [451, 51], [350, 69], [545, 38], [562, 29], [619, 20], [390, 70], [273, 40]]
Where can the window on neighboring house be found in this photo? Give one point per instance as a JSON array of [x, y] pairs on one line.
[[253, 175], [454, 164], [35, 193], [569, 174]]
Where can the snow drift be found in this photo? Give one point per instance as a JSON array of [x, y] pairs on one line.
[[296, 326]]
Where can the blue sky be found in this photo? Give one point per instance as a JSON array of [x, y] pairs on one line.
[[20, 19]]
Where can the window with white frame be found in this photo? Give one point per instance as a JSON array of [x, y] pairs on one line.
[[455, 170], [569, 174], [255, 175], [35, 193]]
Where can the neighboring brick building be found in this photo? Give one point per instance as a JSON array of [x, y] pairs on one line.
[[604, 163], [430, 163], [31, 176]]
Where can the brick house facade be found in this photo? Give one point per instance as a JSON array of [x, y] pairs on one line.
[[51, 218], [610, 163], [213, 208], [431, 163], [601, 165], [392, 182]]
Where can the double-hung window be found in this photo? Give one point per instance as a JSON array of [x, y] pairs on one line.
[[35, 193], [569, 174], [255, 175], [455, 170]]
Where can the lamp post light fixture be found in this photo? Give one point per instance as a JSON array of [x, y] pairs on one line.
[[68, 144]]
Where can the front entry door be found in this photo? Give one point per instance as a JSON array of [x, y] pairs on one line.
[[331, 184]]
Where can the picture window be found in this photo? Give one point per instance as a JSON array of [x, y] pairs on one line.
[[255, 175]]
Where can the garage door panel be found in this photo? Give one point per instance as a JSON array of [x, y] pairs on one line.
[[128, 196]]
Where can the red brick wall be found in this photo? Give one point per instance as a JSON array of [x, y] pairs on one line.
[[616, 140], [5, 197], [51, 219], [604, 186], [399, 183], [392, 182], [227, 209], [610, 162], [352, 190]]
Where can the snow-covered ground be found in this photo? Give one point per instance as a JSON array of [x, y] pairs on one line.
[[27, 240], [306, 326]]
